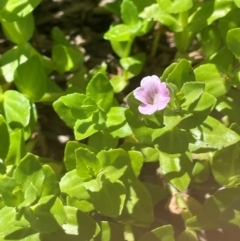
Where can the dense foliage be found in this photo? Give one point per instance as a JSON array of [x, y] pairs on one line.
[[167, 173]]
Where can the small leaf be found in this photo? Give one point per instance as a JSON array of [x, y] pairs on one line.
[[192, 92], [66, 58], [164, 233], [226, 166], [100, 89], [87, 164], [19, 31], [233, 41], [213, 76], [212, 135], [17, 9], [79, 225], [31, 78], [110, 231], [171, 141], [72, 185], [28, 171], [75, 106], [176, 6], [16, 109], [133, 64], [118, 33], [177, 169], [129, 12], [181, 73], [69, 153], [47, 215], [113, 193]]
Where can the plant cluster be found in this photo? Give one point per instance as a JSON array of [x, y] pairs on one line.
[[185, 123]]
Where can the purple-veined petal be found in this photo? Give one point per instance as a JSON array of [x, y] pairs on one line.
[[153, 94]]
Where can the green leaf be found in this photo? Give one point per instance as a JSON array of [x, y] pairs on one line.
[[59, 37], [75, 106], [233, 41], [84, 128], [221, 9], [21, 8], [201, 171], [212, 135], [199, 111], [129, 15], [223, 58], [100, 89], [72, 185], [9, 189], [19, 31], [17, 148], [211, 41], [28, 171], [83, 205], [69, 153], [14, 57], [237, 2], [110, 231], [4, 140], [213, 76], [225, 165], [31, 78], [87, 164], [198, 20], [113, 163], [79, 225], [136, 161], [66, 58], [119, 33], [138, 209], [171, 141], [102, 140], [133, 64], [188, 235], [181, 73], [116, 123], [214, 209], [112, 193], [229, 107], [176, 6], [47, 215], [16, 109], [164, 233], [177, 169], [142, 133], [30, 196], [153, 12], [192, 92], [7, 215], [50, 183]]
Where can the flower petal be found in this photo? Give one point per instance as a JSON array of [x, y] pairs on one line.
[[162, 102], [149, 81], [163, 89], [147, 109], [141, 94]]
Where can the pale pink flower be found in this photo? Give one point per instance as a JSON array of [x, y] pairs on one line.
[[153, 94]]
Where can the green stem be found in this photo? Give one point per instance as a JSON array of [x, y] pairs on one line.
[[128, 48], [182, 38], [50, 97]]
